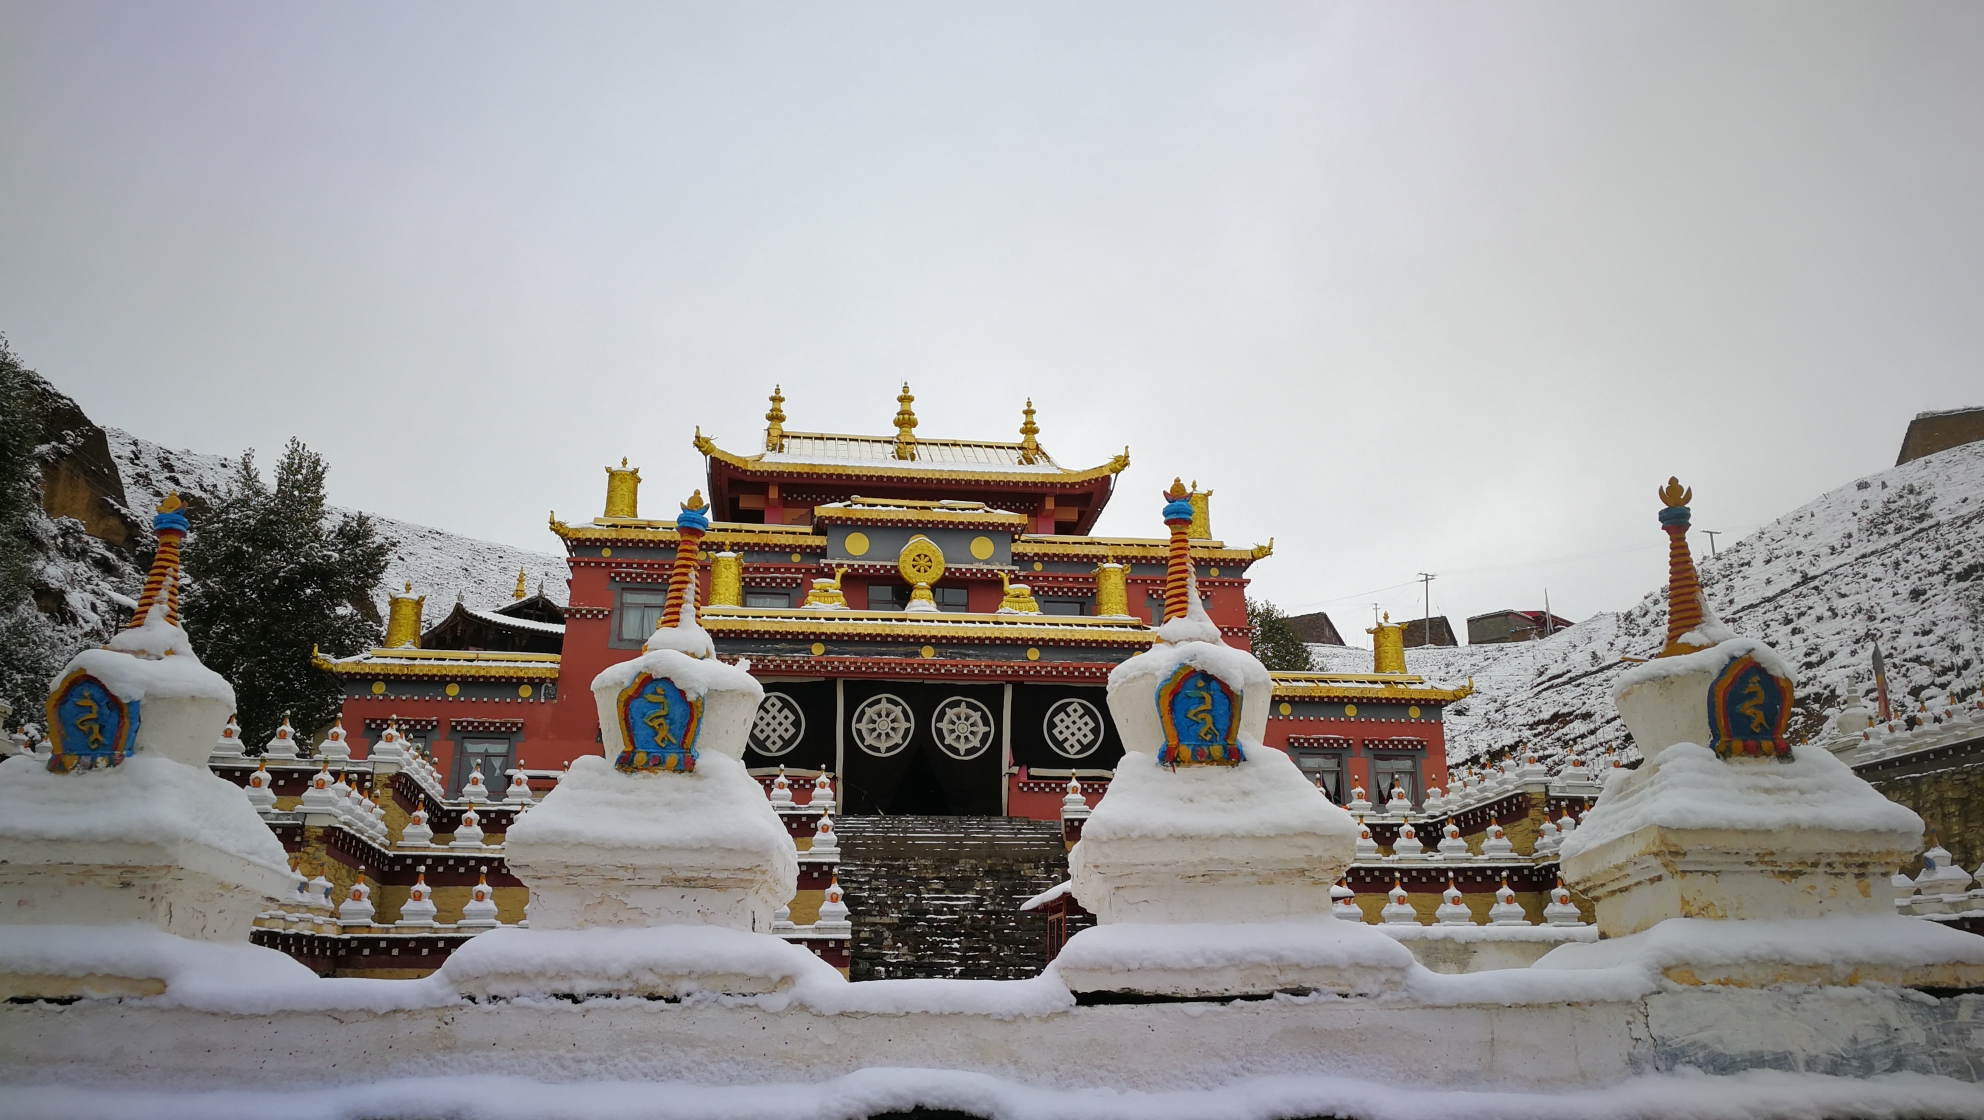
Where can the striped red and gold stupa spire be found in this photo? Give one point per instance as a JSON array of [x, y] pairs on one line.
[[162, 582], [690, 526], [1684, 588], [1178, 563]]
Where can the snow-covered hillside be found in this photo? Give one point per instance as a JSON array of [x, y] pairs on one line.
[[441, 564], [1896, 557]]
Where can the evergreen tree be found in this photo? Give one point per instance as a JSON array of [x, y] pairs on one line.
[[270, 576], [1275, 642], [26, 659]]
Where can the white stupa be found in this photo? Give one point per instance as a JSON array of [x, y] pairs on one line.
[[261, 789], [474, 790], [1398, 909], [1206, 837], [229, 745], [833, 917], [1506, 911], [479, 912], [1436, 800], [468, 834], [417, 834], [1074, 804], [1496, 844], [781, 795], [1343, 902], [1359, 803], [823, 793], [824, 840], [1452, 844], [1547, 839], [334, 746], [119, 820], [357, 908], [782, 918], [391, 747], [1398, 804], [1366, 847], [283, 743], [419, 908], [519, 791], [1407, 844], [1560, 910], [1452, 910]]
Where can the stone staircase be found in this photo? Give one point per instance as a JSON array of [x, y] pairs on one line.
[[940, 896]]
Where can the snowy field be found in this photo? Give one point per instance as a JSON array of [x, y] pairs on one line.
[[1896, 557]]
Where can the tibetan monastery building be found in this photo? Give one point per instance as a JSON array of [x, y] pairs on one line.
[[932, 619]]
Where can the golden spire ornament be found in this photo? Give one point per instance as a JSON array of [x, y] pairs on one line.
[[905, 424], [1684, 589], [1029, 432], [775, 434]]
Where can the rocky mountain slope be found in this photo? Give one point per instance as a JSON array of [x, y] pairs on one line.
[[1896, 557]]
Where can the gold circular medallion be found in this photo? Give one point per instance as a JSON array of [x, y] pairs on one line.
[[523, 690], [1287, 708], [921, 561], [454, 689], [606, 552], [1032, 654], [1350, 709], [378, 687], [1036, 565], [929, 651], [795, 558], [1215, 571], [857, 544], [1413, 712], [981, 548], [818, 649]]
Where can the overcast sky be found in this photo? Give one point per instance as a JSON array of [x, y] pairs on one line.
[[1411, 287]]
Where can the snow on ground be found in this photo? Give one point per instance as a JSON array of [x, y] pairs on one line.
[[1897, 556], [1684, 1096], [441, 564]]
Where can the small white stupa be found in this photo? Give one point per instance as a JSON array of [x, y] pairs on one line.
[[475, 791], [1496, 845], [417, 834], [334, 746], [1452, 844], [468, 834], [1366, 847], [1561, 911], [479, 912], [1074, 804], [781, 795], [519, 791], [1359, 803], [357, 908], [419, 908], [1452, 910], [1343, 902], [1407, 844], [833, 917], [283, 743], [823, 793], [261, 789], [391, 747], [1208, 844], [1398, 909], [1398, 804], [120, 821], [1506, 911], [229, 746], [782, 918], [824, 840], [1436, 800]]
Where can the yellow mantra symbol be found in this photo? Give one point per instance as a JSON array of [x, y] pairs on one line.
[[88, 721], [658, 719], [1203, 713], [1753, 706]]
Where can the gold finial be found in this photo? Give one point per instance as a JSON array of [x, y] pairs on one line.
[[171, 504], [775, 435], [905, 424], [520, 583], [1029, 444], [1177, 490], [1674, 494], [695, 502]]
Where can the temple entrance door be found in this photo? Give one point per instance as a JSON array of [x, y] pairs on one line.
[[923, 749]]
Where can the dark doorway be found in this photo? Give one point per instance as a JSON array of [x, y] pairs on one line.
[[923, 749]]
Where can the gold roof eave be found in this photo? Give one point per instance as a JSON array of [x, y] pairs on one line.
[[755, 464], [1358, 688], [451, 663], [948, 627], [868, 514], [722, 534], [1040, 546]]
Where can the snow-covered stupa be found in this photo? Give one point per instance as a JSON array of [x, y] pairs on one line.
[[122, 822], [1726, 820], [1209, 861], [664, 830]]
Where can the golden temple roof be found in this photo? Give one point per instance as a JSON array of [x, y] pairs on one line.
[[1034, 546], [451, 663], [1356, 688], [924, 626], [825, 453]]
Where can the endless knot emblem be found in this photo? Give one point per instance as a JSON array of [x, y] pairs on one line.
[[1073, 728], [963, 727], [778, 726], [882, 725]]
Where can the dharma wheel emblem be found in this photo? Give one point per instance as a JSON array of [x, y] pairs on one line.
[[882, 725], [1073, 727], [963, 727], [778, 726]]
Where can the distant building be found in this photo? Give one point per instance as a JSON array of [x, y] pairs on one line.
[[1442, 632], [1512, 626], [1316, 629], [1931, 432]]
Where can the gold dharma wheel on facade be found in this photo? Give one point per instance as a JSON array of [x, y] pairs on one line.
[[921, 561]]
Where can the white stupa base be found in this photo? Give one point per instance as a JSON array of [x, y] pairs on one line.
[[190, 891], [665, 961], [1316, 953], [1837, 951]]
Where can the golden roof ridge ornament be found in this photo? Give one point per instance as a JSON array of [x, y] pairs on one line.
[[521, 587], [905, 424], [1030, 452], [623, 490], [1684, 588], [775, 434]]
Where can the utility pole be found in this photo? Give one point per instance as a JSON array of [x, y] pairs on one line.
[[1549, 620], [1426, 623], [1712, 534]]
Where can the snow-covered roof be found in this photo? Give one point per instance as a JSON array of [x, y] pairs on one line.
[[514, 623], [822, 447]]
